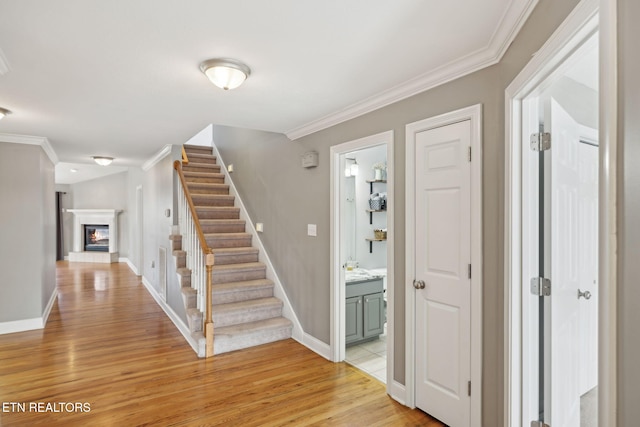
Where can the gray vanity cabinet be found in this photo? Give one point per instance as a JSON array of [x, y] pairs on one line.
[[364, 310]]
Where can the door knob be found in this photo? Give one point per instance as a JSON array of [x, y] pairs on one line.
[[585, 294], [419, 284]]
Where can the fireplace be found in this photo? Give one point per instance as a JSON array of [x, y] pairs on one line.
[[96, 237]]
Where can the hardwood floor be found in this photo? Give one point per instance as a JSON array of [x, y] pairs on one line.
[[109, 356]]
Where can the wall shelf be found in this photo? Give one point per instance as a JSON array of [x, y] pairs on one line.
[[371, 243]]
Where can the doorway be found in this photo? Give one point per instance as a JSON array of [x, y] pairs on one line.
[[551, 244], [362, 242]]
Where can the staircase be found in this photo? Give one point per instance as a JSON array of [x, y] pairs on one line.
[[245, 312]]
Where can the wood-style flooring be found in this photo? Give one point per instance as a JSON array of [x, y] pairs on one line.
[[109, 356]]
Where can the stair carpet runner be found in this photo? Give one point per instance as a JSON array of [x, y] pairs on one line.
[[245, 312]]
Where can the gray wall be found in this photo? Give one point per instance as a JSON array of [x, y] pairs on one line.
[[628, 213], [27, 215], [108, 192], [286, 197]]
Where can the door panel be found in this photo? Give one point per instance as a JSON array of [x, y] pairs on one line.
[[443, 253], [562, 326]]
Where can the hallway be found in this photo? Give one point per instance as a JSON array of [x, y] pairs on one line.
[[110, 356]]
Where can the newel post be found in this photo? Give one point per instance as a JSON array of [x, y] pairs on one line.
[[208, 322]]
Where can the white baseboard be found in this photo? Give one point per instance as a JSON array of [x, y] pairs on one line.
[[315, 345], [397, 392], [47, 309], [30, 324], [132, 267], [184, 330]]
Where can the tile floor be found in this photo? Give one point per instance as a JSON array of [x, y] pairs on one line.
[[370, 357]]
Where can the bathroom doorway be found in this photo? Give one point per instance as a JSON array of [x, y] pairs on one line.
[[362, 254]]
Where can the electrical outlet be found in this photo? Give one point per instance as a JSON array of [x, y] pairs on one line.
[[312, 230]]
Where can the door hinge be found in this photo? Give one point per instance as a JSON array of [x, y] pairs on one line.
[[540, 286], [469, 271], [469, 153], [539, 424], [540, 141], [469, 388]]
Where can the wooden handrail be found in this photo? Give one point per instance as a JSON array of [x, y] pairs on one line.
[[208, 255]]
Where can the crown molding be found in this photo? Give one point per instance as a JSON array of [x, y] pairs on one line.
[[32, 140], [164, 152], [4, 65], [510, 24]]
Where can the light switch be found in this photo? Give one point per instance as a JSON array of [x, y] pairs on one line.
[[230, 168], [312, 230], [259, 227]]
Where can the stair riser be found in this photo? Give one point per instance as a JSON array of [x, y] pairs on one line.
[[199, 188], [212, 200], [221, 242], [214, 179], [228, 319], [201, 167], [181, 260], [189, 298], [218, 213], [241, 295], [194, 319], [225, 259], [225, 344], [222, 228], [238, 275]]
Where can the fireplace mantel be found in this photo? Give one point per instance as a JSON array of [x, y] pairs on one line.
[[91, 217]]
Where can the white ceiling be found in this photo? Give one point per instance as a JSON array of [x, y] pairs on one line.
[[120, 78]]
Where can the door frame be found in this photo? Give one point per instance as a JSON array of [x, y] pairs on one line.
[[337, 291], [474, 114], [579, 26]]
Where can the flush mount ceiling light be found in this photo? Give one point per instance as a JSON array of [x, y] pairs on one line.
[[102, 161], [225, 73], [4, 112]]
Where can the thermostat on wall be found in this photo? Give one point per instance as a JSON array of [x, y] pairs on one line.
[[310, 159]]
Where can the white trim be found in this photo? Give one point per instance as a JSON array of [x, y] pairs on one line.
[[337, 293], [131, 266], [474, 114], [184, 330], [397, 392], [315, 345], [608, 291], [30, 324], [47, 309], [32, 140], [164, 152], [510, 23], [278, 290], [577, 28]]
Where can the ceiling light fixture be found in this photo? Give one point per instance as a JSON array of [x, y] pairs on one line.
[[4, 112], [102, 161], [225, 73]]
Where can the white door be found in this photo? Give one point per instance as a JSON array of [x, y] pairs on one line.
[[588, 279], [562, 326], [443, 254]]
